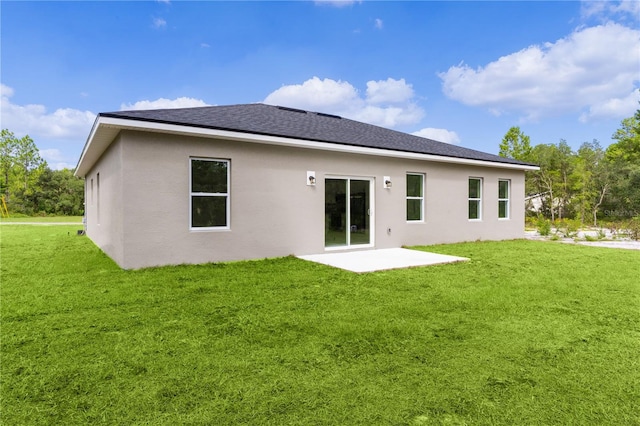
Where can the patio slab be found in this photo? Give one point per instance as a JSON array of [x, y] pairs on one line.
[[380, 260]]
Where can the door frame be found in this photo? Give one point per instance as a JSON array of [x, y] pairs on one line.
[[372, 211]]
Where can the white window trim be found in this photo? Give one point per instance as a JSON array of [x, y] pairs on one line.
[[479, 200], [421, 198], [227, 194], [372, 212], [508, 199]]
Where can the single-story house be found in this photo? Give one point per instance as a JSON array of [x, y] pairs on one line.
[[222, 183]]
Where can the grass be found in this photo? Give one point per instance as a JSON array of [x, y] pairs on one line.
[[42, 219], [525, 333]]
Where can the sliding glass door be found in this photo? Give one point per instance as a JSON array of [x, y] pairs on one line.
[[347, 212]]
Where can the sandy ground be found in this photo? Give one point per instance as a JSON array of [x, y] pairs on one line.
[[620, 243]]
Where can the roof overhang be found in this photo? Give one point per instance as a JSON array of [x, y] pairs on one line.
[[106, 129]]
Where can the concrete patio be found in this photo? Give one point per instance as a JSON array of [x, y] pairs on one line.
[[379, 260]]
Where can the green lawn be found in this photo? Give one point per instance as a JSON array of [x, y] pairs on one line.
[[526, 333], [42, 219]]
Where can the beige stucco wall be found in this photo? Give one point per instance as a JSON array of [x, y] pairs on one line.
[[104, 210], [145, 204]]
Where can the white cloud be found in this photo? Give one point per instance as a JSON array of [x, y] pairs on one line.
[[440, 135], [387, 103], [390, 116], [604, 10], [315, 93], [6, 91], [55, 159], [581, 72], [163, 103], [389, 90], [51, 154], [159, 23], [632, 7], [204, 45], [378, 23], [34, 120], [613, 108]]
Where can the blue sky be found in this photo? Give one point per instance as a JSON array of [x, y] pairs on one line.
[[460, 72]]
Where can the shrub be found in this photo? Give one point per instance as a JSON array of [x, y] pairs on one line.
[[544, 226], [634, 228], [531, 222], [568, 228]]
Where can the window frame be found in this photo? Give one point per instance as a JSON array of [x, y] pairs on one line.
[[478, 199], [506, 200], [98, 198], [227, 195], [421, 197]]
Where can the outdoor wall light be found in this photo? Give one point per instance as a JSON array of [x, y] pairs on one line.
[[311, 178], [387, 182]]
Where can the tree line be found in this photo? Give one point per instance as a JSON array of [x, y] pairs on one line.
[[590, 184], [30, 187]]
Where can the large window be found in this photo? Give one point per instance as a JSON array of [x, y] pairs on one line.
[[415, 197], [475, 198], [209, 193], [503, 199]]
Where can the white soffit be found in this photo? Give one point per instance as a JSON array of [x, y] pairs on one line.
[[107, 128]]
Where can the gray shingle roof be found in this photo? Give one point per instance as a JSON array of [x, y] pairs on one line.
[[271, 120]]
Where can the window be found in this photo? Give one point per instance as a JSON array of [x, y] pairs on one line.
[[415, 197], [91, 191], [209, 193], [98, 197], [475, 198], [503, 199]]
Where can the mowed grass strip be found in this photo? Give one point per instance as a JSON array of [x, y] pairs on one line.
[[41, 219], [525, 333]]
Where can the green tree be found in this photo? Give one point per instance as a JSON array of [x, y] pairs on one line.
[[8, 148], [592, 177], [29, 186], [627, 147], [515, 144], [28, 161], [27, 167], [59, 192], [544, 182], [624, 159], [566, 165]]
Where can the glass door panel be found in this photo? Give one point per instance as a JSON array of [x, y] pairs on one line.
[[347, 204], [335, 212], [359, 212]]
